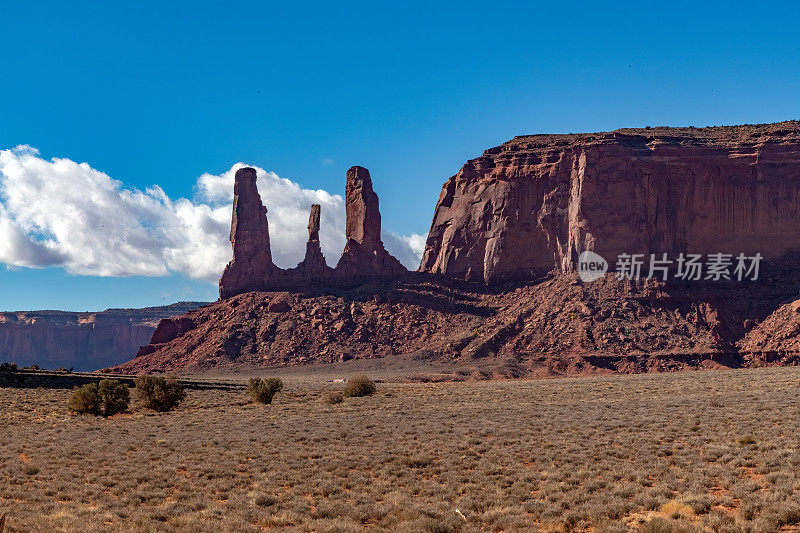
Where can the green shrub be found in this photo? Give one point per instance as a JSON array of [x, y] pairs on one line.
[[262, 390], [114, 396], [334, 397], [159, 394], [85, 400], [107, 398], [359, 386]]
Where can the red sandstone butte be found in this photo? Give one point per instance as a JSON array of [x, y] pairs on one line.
[[537, 201], [364, 257]]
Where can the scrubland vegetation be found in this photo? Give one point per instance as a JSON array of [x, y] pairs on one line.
[[700, 451]]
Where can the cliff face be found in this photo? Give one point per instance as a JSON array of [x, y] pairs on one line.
[[536, 202], [84, 341]]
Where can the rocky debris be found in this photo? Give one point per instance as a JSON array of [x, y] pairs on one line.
[[364, 256], [280, 303], [554, 326], [251, 265], [171, 328], [536, 202]]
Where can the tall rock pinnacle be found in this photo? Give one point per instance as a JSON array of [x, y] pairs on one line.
[[313, 222], [252, 258], [364, 255], [313, 267], [363, 217]]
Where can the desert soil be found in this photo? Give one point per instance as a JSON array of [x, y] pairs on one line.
[[706, 450]]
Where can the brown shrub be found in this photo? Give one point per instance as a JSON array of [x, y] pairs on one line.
[[334, 397], [359, 386], [263, 390]]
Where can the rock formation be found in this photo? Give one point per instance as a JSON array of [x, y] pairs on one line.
[[553, 326], [528, 208], [536, 202], [313, 268], [251, 265], [83, 341], [364, 256]]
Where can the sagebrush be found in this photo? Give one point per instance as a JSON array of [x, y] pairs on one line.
[[263, 390], [158, 393], [106, 398], [359, 386]]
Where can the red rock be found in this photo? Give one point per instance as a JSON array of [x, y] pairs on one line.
[[530, 206], [534, 203], [280, 303], [313, 268], [364, 256], [172, 328], [252, 269], [363, 223], [251, 265]]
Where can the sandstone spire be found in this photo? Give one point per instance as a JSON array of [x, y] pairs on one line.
[[252, 259], [364, 255], [363, 217], [313, 267], [313, 222]]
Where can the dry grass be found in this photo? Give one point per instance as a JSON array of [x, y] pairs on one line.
[[713, 451]]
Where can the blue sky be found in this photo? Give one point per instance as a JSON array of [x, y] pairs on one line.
[[154, 94]]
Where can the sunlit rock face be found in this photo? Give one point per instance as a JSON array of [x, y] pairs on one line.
[[536, 202]]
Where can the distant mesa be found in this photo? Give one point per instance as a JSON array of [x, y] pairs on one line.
[[364, 257], [83, 341]]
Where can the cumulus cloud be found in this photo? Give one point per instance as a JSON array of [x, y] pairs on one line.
[[68, 214]]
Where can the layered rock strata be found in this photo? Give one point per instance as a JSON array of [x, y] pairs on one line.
[[536, 202], [83, 341]]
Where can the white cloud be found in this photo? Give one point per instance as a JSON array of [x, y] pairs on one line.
[[62, 213]]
